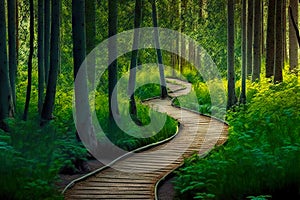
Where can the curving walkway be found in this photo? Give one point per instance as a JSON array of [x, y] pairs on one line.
[[197, 133]]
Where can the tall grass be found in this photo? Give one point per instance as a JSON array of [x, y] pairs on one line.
[[261, 156]]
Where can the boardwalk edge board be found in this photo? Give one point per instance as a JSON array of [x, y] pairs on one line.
[[72, 183], [170, 173], [166, 174]]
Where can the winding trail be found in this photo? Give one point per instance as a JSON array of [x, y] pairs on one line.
[[197, 133]]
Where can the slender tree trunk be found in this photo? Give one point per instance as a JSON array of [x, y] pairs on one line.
[[250, 37], [31, 50], [295, 25], [230, 60], [293, 48], [47, 33], [270, 39], [262, 29], [200, 13], [163, 85], [90, 19], [5, 95], [257, 41], [134, 56], [41, 56], [12, 40], [244, 40], [83, 113], [182, 30], [48, 105], [284, 42], [112, 57], [279, 42]]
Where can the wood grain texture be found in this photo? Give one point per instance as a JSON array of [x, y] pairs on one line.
[[197, 134]]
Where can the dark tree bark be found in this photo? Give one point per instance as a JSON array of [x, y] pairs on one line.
[[257, 41], [279, 43], [134, 58], [48, 105], [112, 57], [41, 55], [12, 43], [163, 86], [250, 37], [284, 22], [295, 26], [293, 47], [232, 100], [47, 33], [90, 19], [5, 94], [83, 113], [244, 40], [31, 50], [270, 39]]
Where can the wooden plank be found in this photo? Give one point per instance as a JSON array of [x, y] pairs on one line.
[[114, 184]]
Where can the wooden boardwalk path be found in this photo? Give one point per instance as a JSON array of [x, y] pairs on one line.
[[197, 133]]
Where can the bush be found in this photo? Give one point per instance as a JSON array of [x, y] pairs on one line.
[[261, 156]]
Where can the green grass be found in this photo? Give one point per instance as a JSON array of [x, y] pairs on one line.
[[261, 156], [31, 157]]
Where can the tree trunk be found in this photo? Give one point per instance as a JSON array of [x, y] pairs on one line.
[[47, 33], [257, 41], [90, 19], [41, 56], [48, 105], [230, 60], [112, 58], [134, 56], [279, 42], [31, 50], [83, 113], [163, 86], [244, 38], [270, 40], [250, 37], [284, 42], [293, 47], [12, 43], [5, 95]]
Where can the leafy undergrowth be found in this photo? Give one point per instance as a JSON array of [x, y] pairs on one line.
[[31, 157], [261, 157]]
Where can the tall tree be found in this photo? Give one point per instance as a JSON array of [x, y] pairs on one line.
[[163, 86], [284, 22], [47, 32], [90, 21], [83, 113], [257, 41], [279, 42], [41, 56], [48, 105], [244, 53], [295, 25], [232, 100], [270, 54], [112, 57], [31, 51], [134, 57], [250, 37], [293, 47], [12, 43], [5, 95]]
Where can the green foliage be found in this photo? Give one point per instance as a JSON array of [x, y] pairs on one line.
[[262, 152]]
